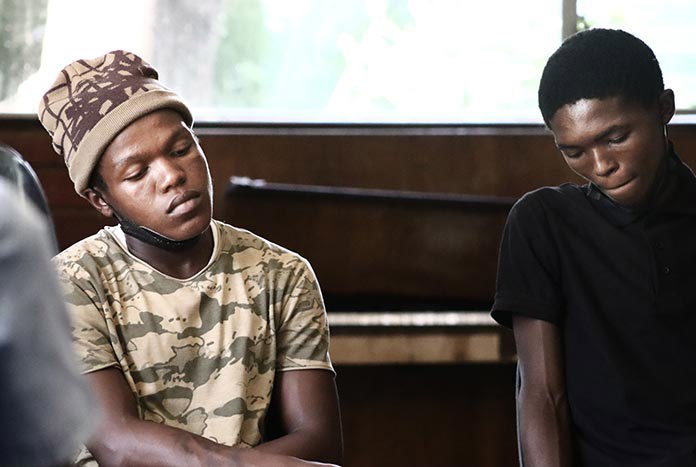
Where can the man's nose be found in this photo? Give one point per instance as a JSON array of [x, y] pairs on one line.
[[604, 164], [172, 174]]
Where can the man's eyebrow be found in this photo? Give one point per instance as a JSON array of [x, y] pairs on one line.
[[133, 157], [130, 159], [565, 146], [597, 138], [610, 130], [174, 135], [181, 131]]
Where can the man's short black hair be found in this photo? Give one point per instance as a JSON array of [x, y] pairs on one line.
[[598, 64]]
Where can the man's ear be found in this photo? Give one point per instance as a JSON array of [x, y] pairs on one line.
[[666, 105], [97, 201]]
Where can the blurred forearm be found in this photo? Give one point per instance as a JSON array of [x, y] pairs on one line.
[[545, 432]]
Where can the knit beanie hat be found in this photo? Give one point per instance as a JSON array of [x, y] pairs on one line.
[[90, 103]]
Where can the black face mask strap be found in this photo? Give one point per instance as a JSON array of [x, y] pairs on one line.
[[153, 238], [150, 236]]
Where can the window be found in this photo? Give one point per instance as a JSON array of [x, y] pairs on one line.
[[667, 27], [344, 61]]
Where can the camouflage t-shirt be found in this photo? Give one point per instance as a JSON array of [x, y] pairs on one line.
[[199, 354]]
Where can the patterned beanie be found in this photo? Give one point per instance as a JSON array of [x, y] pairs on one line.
[[90, 103]]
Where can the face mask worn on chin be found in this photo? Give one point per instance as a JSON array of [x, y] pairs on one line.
[[151, 237]]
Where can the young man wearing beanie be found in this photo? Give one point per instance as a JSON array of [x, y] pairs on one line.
[[598, 281], [192, 332]]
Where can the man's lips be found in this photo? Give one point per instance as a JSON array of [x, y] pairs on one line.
[[181, 199], [619, 186]]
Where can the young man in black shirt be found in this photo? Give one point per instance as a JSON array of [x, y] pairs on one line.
[[599, 281]]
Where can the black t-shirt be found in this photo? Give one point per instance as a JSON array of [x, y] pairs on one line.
[[621, 286]]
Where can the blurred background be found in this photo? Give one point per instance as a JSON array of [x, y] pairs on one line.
[[385, 141], [334, 61]]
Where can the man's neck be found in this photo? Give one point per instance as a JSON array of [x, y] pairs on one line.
[[181, 264]]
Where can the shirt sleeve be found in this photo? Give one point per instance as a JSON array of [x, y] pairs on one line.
[[528, 281], [303, 333], [90, 333]]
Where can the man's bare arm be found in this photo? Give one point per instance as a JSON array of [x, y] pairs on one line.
[[124, 439], [305, 404], [544, 416]]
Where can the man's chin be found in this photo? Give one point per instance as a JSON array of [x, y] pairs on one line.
[[628, 200], [194, 230]]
